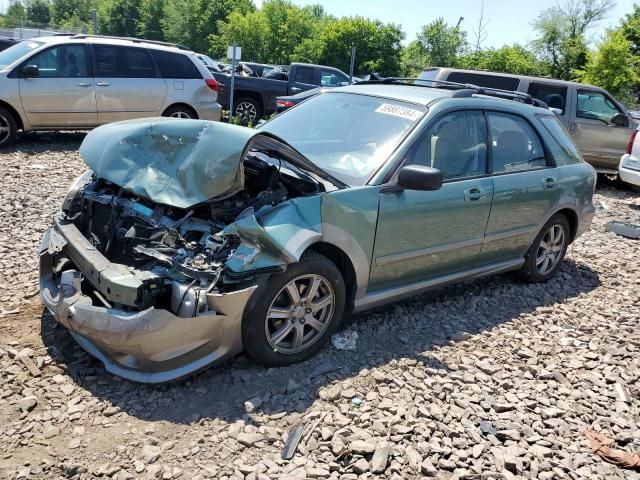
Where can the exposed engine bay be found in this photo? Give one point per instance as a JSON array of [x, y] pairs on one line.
[[179, 254]]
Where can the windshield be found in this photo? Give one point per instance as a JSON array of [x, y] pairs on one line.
[[348, 135], [16, 52]]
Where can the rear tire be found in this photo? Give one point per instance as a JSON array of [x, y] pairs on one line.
[[180, 111], [248, 110], [283, 325], [8, 128], [547, 251]]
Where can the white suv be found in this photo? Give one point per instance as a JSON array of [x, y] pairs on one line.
[[81, 81], [629, 168]]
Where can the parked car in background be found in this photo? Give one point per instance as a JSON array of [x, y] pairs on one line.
[[635, 114], [287, 101], [210, 63], [599, 124], [81, 81], [256, 97], [6, 43], [629, 168], [260, 69], [358, 197]]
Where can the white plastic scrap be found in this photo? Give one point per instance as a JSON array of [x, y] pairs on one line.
[[345, 340]]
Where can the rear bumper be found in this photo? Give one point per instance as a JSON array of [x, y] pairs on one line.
[[209, 111], [628, 175], [148, 346]]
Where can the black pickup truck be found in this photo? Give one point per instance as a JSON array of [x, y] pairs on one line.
[[255, 97]]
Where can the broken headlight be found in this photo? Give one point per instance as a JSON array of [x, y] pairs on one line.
[[77, 185]]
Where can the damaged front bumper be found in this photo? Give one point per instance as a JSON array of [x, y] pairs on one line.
[[148, 346]]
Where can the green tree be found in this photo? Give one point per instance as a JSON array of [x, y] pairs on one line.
[[71, 12], [150, 19], [249, 31], [38, 11], [377, 45], [195, 22], [119, 18], [16, 13], [438, 44], [561, 34], [613, 66], [631, 28], [514, 59]]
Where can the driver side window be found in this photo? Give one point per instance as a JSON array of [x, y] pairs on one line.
[[61, 62], [596, 106], [455, 144]]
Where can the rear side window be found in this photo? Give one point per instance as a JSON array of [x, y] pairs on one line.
[[563, 149], [305, 75], [555, 96], [482, 80], [515, 146], [123, 62], [175, 65]]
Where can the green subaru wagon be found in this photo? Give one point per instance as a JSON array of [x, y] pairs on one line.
[[187, 241]]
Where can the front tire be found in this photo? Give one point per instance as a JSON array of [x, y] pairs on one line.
[[296, 313], [8, 128], [547, 251]]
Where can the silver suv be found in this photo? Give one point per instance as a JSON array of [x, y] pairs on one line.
[[81, 81]]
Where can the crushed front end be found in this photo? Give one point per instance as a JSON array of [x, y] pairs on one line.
[[144, 286]]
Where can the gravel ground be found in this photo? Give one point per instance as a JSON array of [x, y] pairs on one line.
[[536, 364]]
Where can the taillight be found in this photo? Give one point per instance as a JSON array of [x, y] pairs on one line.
[[213, 84], [631, 140], [284, 103]]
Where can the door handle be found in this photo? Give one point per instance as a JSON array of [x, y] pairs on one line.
[[549, 182], [84, 84], [103, 84], [474, 195]]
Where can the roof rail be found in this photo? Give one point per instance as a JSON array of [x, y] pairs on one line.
[[461, 89], [133, 39]]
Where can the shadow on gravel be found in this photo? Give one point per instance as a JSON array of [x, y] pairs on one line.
[[35, 142], [411, 329]]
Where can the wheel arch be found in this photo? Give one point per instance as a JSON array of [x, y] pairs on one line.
[[183, 105], [342, 261], [13, 112], [572, 217], [238, 94]]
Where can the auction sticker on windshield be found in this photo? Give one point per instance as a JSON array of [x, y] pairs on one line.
[[398, 111]]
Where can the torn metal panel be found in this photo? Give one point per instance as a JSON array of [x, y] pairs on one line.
[[173, 162], [278, 236]]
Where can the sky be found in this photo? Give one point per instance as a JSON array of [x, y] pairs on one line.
[[509, 21]]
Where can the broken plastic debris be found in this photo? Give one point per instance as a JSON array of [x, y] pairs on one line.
[[293, 439], [345, 340], [622, 392], [487, 428], [356, 402], [628, 230], [601, 446]]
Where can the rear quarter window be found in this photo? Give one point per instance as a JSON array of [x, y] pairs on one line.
[[175, 65], [559, 141]]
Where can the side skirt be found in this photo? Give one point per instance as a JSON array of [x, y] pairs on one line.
[[380, 297]]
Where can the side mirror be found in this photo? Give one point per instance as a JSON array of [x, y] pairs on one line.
[[30, 71], [620, 120], [419, 177]]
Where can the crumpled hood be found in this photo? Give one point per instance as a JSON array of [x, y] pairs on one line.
[[172, 161]]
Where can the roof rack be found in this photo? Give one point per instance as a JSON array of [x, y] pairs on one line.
[[462, 90], [135, 40]]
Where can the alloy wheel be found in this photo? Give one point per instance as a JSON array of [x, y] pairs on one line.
[[246, 111], [180, 114], [550, 249], [299, 314], [5, 129]]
